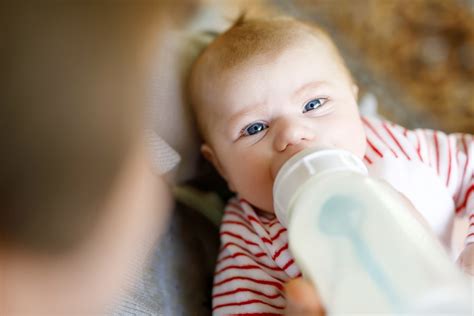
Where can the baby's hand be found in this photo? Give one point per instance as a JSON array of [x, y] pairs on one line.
[[302, 299], [466, 259]]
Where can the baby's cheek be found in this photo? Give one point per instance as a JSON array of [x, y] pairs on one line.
[[356, 139]]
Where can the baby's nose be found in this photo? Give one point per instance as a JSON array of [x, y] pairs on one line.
[[290, 133]]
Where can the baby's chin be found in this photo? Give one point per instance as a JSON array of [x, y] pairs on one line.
[[269, 211], [264, 206]]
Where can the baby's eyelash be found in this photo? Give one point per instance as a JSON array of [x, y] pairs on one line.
[[314, 104], [253, 128]]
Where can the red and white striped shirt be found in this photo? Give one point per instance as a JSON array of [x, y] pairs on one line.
[[433, 170]]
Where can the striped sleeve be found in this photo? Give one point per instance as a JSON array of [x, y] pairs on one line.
[[452, 156], [253, 264]]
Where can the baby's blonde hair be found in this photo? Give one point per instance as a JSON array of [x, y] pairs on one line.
[[245, 39]]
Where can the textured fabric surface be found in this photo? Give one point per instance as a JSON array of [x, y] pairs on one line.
[[178, 279], [164, 157]]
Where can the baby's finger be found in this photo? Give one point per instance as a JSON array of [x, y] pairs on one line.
[[302, 299]]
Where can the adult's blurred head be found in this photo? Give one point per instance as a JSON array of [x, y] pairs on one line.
[[78, 199]]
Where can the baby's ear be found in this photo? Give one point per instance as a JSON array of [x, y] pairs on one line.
[[209, 154]]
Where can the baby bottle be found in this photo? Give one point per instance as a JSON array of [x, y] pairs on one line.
[[357, 240]]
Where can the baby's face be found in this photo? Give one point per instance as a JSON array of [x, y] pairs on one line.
[[263, 112]]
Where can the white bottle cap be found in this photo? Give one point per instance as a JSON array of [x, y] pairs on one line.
[[304, 165]]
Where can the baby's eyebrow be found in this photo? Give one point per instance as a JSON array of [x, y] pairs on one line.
[[307, 86], [246, 111]]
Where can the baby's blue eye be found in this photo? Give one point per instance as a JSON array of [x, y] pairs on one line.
[[254, 128], [313, 104]]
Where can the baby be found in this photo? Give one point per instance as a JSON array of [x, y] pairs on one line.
[[269, 88]]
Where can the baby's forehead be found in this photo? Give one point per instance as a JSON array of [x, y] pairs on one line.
[[218, 65]]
